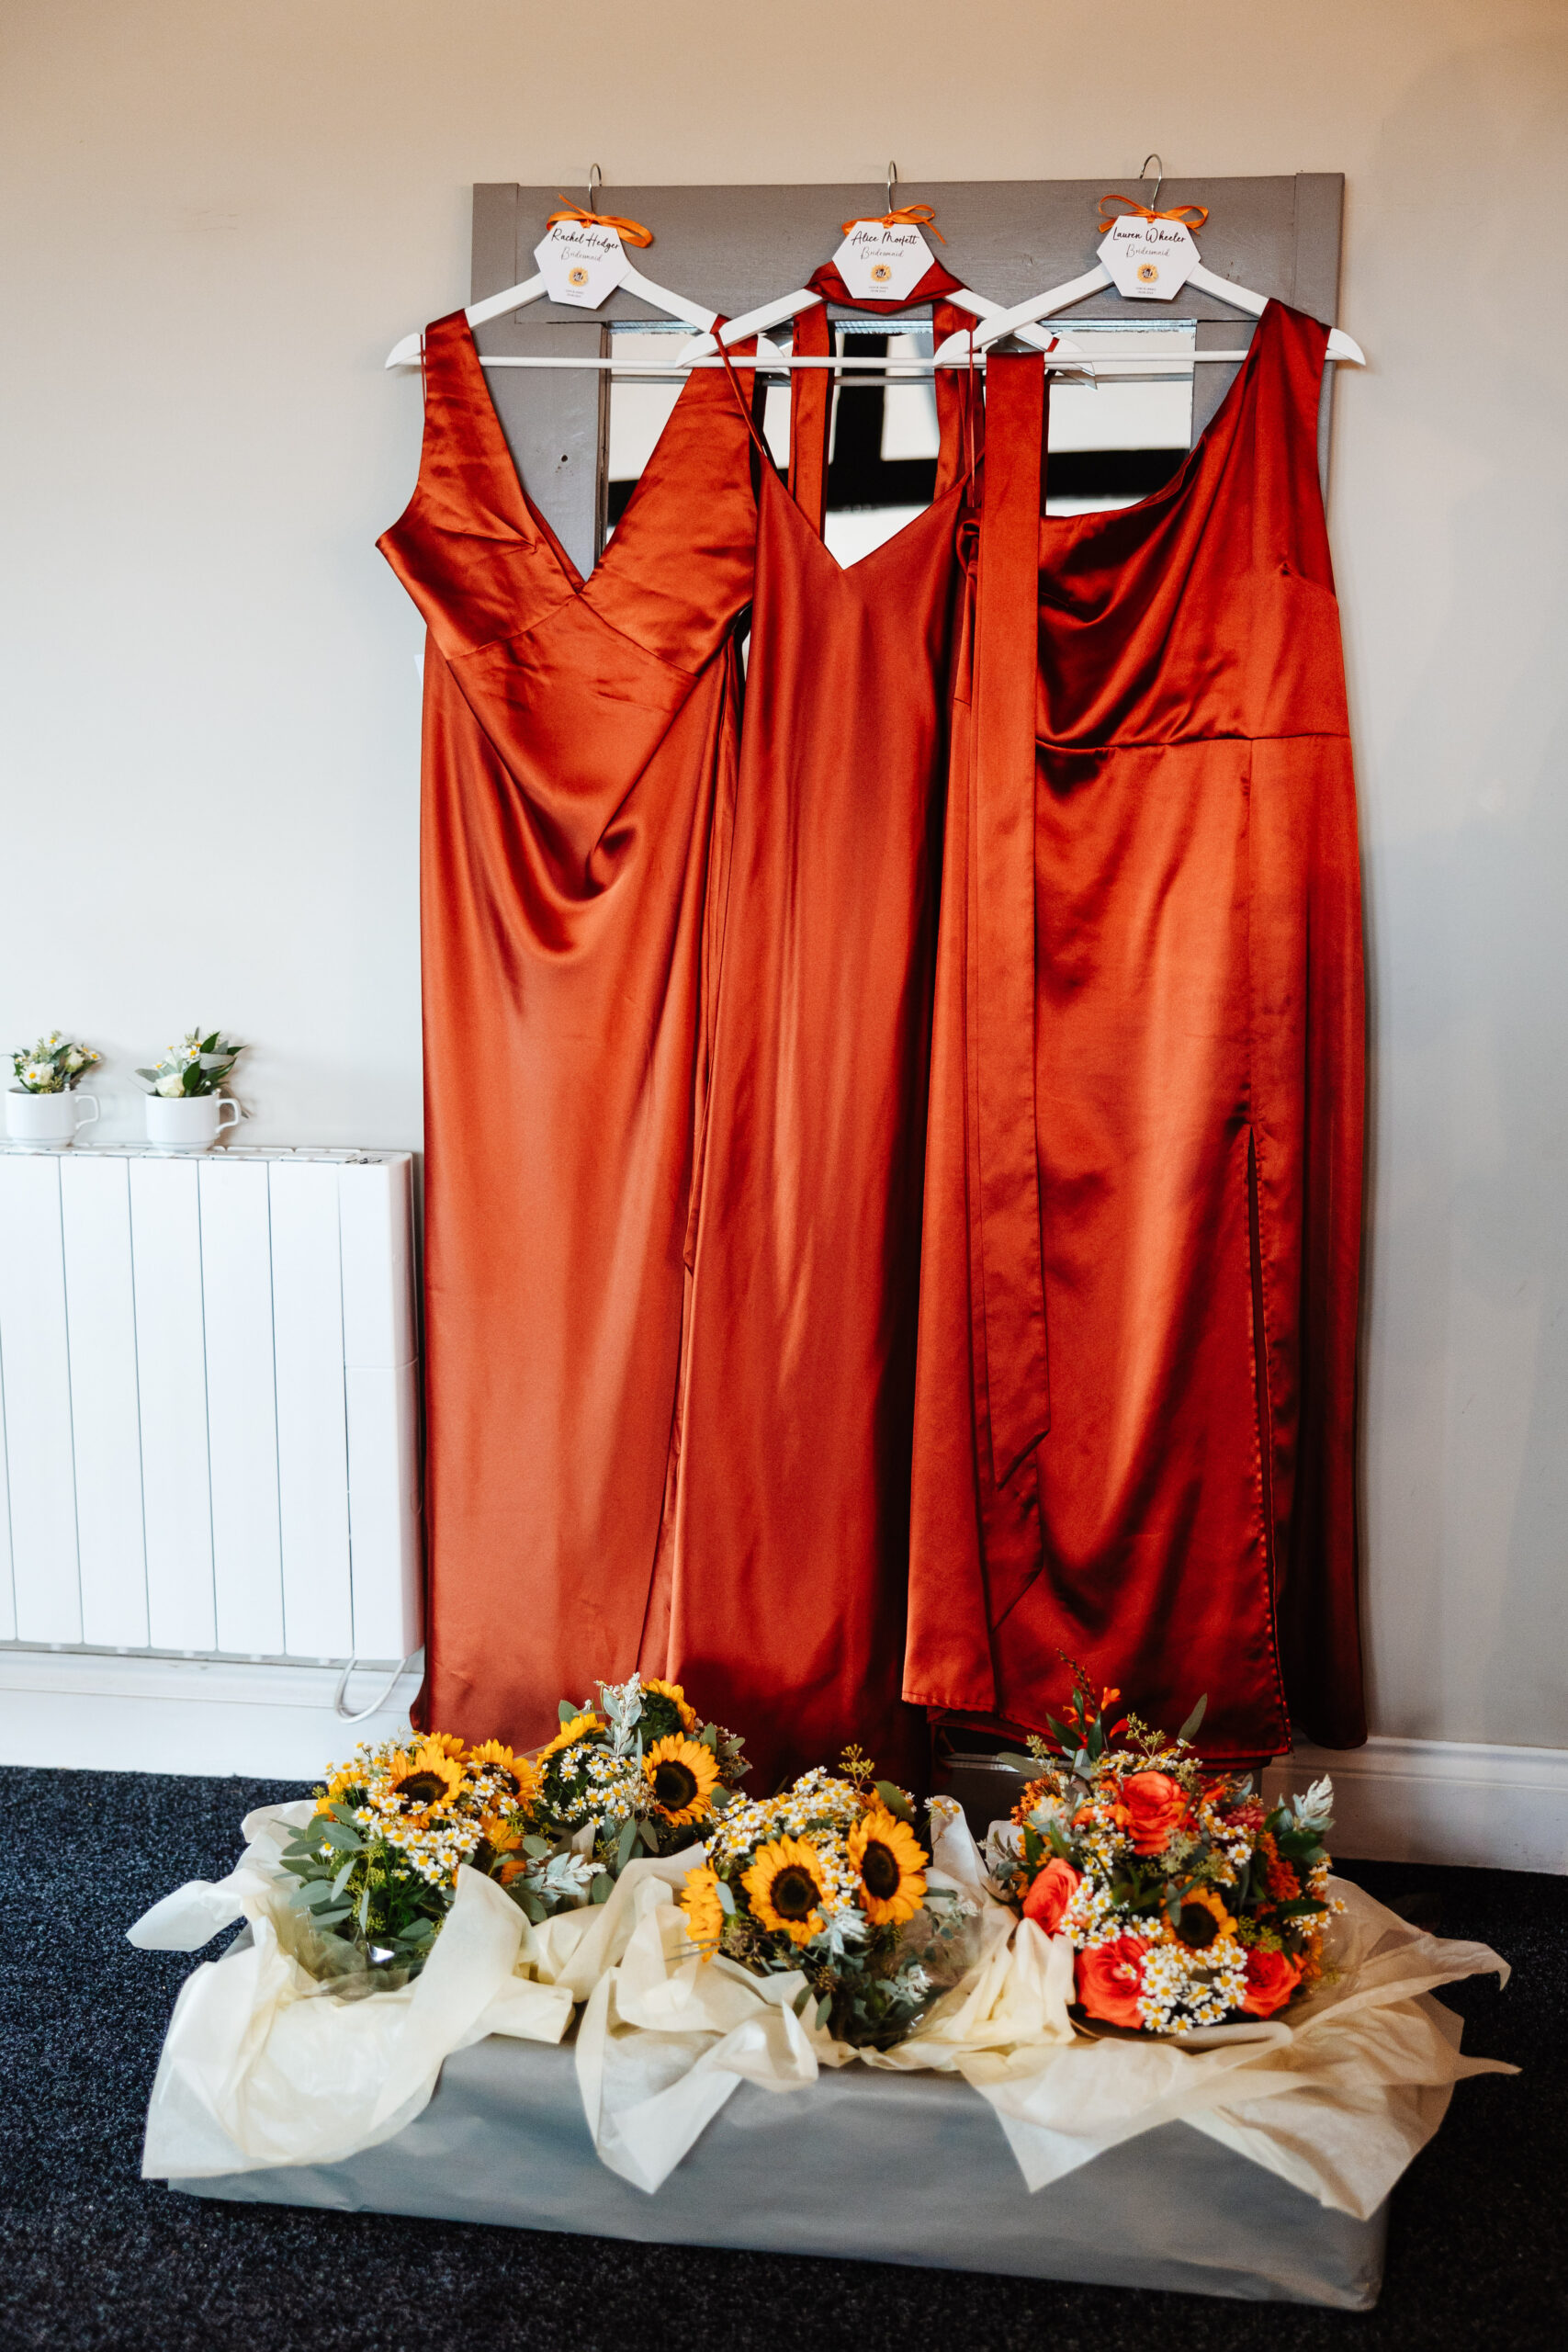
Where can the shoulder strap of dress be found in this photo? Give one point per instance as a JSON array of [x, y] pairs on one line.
[[1016, 1403], [466, 470], [811, 405]]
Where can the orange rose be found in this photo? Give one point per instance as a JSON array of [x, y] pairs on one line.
[[1156, 1807], [1110, 1980], [1271, 1978], [1050, 1894]]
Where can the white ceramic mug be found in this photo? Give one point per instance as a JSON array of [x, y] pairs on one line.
[[48, 1122], [188, 1122]]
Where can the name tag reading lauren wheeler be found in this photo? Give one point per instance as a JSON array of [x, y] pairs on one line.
[[1148, 260], [882, 260], [581, 262]]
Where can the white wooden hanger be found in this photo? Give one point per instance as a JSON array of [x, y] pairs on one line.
[[532, 290], [1077, 289], [790, 306]]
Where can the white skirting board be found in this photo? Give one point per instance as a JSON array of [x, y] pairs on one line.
[[89, 1711], [1396, 1800], [1441, 1801]]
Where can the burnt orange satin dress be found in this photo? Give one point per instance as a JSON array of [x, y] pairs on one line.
[[1134, 1433], [579, 765], [784, 1600]]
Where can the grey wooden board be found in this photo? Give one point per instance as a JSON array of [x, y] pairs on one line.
[[734, 248]]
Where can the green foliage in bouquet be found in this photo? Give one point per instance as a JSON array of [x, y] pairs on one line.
[[830, 1879], [1187, 1900], [377, 1864], [198, 1064], [54, 1066], [639, 1773]]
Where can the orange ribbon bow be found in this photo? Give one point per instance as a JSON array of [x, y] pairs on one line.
[[1191, 216], [914, 216], [630, 233]]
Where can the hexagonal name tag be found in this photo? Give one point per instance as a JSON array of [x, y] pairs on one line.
[[883, 261], [581, 262], [1148, 260]]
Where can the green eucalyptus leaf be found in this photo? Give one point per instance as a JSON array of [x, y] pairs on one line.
[[1190, 1727], [895, 1800], [600, 1890]]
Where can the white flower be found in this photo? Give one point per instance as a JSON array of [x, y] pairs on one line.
[[38, 1074], [75, 1059], [173, 1084]]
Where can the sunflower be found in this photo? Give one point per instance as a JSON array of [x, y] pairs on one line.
[[677, 1697], [704, 1912], [497, 1761], [681, 1772], [424, 1782], [569, 1735], [352, 1776], [891, 1865], [786, 1885], [496, 1837], [447, 1741], [1203, 1919]]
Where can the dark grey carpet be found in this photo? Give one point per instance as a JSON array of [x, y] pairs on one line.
[[91, 2256]]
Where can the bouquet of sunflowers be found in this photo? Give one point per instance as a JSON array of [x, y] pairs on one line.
[[829, 1878], [377, 1864], [637, 1773], [1188, 1902]]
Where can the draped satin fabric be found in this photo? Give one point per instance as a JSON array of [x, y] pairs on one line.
[[580, 763], [1186, 1522], [785, 1574]]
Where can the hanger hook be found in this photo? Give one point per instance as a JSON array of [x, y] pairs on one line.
[[892, 183], [596, 182], [1159, 179]]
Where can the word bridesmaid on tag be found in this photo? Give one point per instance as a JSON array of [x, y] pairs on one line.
[[580, 261], [883, 261], [1149, 255]]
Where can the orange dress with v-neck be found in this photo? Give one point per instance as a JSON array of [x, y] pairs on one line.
[[578, 764], [782, 1596]]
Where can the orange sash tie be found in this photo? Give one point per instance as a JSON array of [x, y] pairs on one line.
[[1012, 1301], [913, 216], [630, 233], [1191, 216]]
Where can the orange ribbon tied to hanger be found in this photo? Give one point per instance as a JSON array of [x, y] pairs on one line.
[[912, 216], [630, 233], [1191, 216]]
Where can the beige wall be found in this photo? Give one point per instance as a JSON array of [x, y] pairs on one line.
[[217, 217]]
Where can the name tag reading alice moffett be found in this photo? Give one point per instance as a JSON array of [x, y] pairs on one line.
[[882, 260], [1150, 260], [581, 262]]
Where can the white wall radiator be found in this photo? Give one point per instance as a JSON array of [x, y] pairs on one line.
[[209, 1402]]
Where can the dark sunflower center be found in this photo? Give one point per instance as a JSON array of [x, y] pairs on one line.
[[879, 1870], [1198, 1926], [674, 1785], [794, 1892], [421, 1788]]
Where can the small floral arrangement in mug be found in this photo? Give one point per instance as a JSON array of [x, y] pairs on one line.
[[54, 1065], [198, 1064], [829, 1878], [1189, 1901]]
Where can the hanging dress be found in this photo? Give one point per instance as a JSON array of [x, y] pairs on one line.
[[578, 759], [783, 1600], [1134, 1434]]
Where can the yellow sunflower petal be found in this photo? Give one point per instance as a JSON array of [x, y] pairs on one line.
[[681, 1772], [569, 1735], [891, 1863], [677, 1697], [784, 1885], [704, 1912]]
